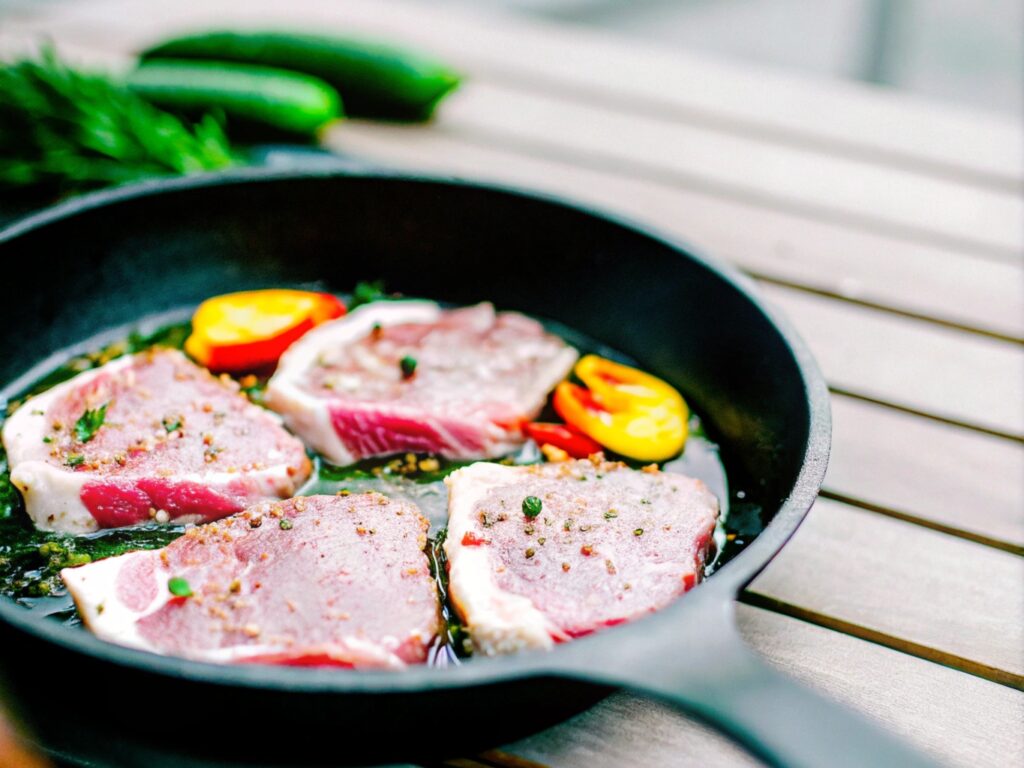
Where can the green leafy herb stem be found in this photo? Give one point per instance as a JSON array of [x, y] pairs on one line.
[[89, 423]]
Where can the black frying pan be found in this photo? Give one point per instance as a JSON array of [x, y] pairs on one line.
[[113, 257]]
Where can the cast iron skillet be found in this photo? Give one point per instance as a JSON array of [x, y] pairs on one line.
[[113, 257]]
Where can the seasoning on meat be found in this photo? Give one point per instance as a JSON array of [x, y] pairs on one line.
[[146, 438], [312, 592], [618, 546]]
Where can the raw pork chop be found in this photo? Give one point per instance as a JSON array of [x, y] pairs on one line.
[[317, 580], [174, 443], [609, 544], [470, 378]]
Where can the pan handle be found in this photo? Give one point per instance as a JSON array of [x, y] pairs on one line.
[[711, 674]]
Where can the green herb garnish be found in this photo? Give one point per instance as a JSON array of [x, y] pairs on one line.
[[408, 366], [89, 423], [286, 524], [68, 130], [10, 499], [532, 506], [172, 425], [366, 293], [74, 460], [179, 587]]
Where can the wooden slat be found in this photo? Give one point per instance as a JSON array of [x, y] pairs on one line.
[[788, 178], [960, 719], [839, 117], [909, 277], [929, 471], [910, 363], [929, 593]]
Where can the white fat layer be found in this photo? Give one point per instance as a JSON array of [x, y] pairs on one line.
[[52, 494], [53, 497], [94, 590], [500, 622], [310, 416]]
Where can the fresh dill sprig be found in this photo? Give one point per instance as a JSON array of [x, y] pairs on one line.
[[69, 130]]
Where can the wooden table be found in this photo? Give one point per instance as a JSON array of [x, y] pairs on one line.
[[891, 232]]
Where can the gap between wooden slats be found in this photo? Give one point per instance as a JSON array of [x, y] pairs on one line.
[[959, 719], [836, 117], [972, 380], [958, 481], [904, 586], [961, 290]]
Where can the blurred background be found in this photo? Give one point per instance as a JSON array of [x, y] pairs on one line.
[[969, 52], [966, 52]]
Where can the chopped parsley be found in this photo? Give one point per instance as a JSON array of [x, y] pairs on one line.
[[89, 423], [172, 425], [75, 460], [532, 506], [286, 524]]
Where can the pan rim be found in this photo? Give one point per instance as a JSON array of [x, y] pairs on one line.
[[723, 586]]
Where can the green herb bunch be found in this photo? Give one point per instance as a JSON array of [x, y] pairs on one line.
[[68, 130]]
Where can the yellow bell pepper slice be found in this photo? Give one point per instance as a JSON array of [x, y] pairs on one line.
[[626, 410], [250, 330]]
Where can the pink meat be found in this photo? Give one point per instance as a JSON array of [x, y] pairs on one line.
[[610, 544], [318, 580], [478, 376], [175, 442], [119, 503]]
